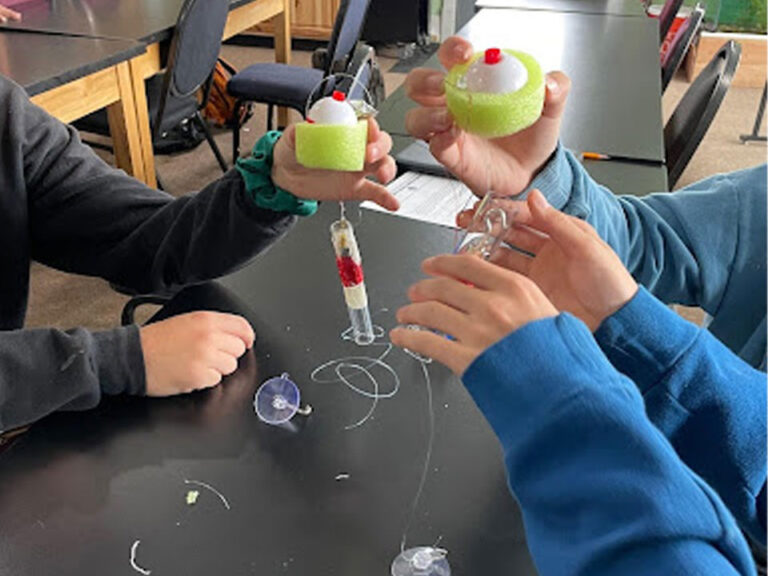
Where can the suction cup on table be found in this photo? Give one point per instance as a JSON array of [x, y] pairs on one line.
[[421, 561], [278, 400]]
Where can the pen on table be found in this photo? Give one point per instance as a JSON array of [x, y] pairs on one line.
[[599, 156]]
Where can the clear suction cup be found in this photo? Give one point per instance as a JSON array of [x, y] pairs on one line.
[[421, 561], [278, 400]]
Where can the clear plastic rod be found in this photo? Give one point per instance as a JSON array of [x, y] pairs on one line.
[[350, 266]]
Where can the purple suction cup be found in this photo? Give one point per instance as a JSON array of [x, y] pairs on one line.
[[278, 400]]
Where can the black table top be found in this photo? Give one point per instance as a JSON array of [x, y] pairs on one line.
[[630, 178], [65, 58], [145, 20], [80, 489], [615, 102], [616, 7]]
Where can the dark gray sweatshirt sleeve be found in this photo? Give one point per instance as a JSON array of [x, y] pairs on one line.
[[69, 210], [45, 370], [89, 218]]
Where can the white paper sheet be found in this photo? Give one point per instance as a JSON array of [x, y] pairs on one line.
[[428, 198]]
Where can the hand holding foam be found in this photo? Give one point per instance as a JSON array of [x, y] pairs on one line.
[[332, 138], [496, 93]]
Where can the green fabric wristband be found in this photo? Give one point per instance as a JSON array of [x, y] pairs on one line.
[[256, 171]]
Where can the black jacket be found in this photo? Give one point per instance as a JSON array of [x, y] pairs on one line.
[[62, 206]]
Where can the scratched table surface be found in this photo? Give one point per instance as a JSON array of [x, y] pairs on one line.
[[80, 489]]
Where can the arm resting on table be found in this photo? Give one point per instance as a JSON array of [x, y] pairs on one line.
[[44, 370]]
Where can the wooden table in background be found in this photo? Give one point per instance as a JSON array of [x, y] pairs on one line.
[[312, 19], [243, 16], [78, 76], [150, 22]]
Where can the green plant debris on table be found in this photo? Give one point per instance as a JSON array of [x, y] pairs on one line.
[[192, 497]]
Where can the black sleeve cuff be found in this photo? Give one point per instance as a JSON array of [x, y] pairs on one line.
[[119, 361]]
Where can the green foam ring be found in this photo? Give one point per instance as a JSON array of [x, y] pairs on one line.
[[332, 146], [495, 115]]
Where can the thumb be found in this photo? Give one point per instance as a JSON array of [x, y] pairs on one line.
[[289, 135], [445, 148], [378, 194], [558, 226], [558, 87]]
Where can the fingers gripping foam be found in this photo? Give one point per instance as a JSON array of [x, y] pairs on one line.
[[495, 115]]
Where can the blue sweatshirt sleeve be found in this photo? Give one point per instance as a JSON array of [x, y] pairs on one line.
[[709, 403], [703, 245], [601, 490]]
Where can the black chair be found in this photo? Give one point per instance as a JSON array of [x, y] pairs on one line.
[[365, 73], [172, 96], [695, 112], [192, 57], [278, 84], [680, 44], [667, 16]]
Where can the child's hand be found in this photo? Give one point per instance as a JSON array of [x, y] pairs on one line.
[[511, 162], [476, 302], [576, 270], [325, 185], [8, 14], [192, 351]]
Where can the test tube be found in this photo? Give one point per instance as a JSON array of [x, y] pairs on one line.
[[349, 263]]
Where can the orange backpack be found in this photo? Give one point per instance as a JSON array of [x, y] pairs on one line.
[[220, 108]]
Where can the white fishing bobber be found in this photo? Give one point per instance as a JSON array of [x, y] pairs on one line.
[[332, 138], [334, 109], [496, 72]]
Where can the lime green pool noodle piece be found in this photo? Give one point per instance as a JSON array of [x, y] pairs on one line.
[[495, 115], [332, 146]]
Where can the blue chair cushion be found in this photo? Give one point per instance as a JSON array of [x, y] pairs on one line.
[[273, 83]]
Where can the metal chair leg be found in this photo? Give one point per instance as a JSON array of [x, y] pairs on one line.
[[236, 132], [755, 135], [211, 142]]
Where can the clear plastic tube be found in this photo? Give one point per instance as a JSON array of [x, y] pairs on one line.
[[350, 266]]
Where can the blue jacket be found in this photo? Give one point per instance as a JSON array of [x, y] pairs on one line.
[[704, 245], [605, 488], [601, 489]]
